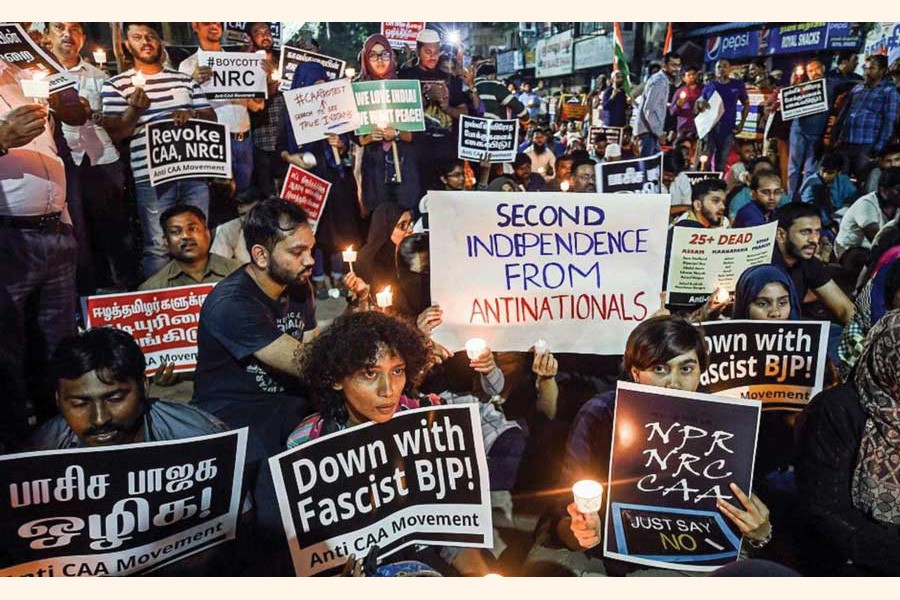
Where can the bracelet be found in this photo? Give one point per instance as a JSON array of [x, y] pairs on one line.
[[758, 544]]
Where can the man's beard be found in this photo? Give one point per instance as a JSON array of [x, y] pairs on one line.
[[711, 218], [153, 60], [539, 148], [796, 251], [284, 276]]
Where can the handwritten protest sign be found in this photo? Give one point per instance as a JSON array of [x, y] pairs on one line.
[[163, 322], [118, 510], [234, 75], [319, 110], [236, 33], [402, 35], [497, 138], [545, 266], [292, 57], [637, 176], [705, 259], [695, 177], [780, 363], [805, 99], [613, 135], [389, 102], [18, 49], [196, 149], [674, 453], [420, 478], [305, 189]]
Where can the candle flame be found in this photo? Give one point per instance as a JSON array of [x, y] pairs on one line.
[[39, 76]]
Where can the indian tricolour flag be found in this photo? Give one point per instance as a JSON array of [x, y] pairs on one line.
[[620, 61]]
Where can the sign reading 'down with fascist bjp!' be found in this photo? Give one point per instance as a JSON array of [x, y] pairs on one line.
[[196, 149], [637, 176], [674, 454], [118, 510], [780, 363], [420, 478], [306, 190], [578, 270], [162, 322]]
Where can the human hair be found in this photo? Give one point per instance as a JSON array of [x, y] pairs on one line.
[[888, 150], [880, 61], [582, 161], [757, 178], [112, 353], [889, 178], [760, 160], [180, 209], [891, 283], [789, 213], [445, 167], [351, 343], [690, 68], [831, 162], [521, 159], [669, 56], [486, 70], [703, 187], [845, 55], [660, 339], [271, 221], [759, 62], [153, 26]]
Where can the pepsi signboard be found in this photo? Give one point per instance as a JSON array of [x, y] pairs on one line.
[[733, 45]]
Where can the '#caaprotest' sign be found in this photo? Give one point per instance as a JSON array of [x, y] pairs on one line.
[[163, 322], [234, 75], [196, 149], [292, 57], [497, 138], [578, 270], [389, 102], [420, 478], [17, 48], [613, 135], [402, 35], [305, 189], [674, 454], [705, 259], [319, 110], [805, 99], [118, 510], [637, 176], [236, 33], [780, 363]]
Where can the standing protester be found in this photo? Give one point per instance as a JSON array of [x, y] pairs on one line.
[[806, 135], [615, 102], [530, 182], [498, 102], [529, 99], [682, 107], [267, 125], [843, 75], [721, 138], [543, 160], [651, 118]]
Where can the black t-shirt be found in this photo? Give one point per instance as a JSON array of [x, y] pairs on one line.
[[238, 319], [806, 274], [438, 124]]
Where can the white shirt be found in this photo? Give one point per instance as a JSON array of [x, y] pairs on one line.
[[231, 112], [229, 241], [542, 161], [89, 139], [862, 213]]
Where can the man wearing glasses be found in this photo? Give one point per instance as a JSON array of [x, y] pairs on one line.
[[584, 178], [721, 138], [651, 123]]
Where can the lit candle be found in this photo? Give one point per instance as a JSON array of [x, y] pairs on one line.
[[798, 70], [350, 72], [493, 575], [703, 159], [38, 87], [540, 346], [564, 186], [385, 297], [541, 170], [309, 159], [349, 256], [722, 296], [100, 56], [682, 95], [138, 80], [475, 347], [588, 496], [276, 75]]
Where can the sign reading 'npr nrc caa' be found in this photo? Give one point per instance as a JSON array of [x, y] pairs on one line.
[[197, 149]]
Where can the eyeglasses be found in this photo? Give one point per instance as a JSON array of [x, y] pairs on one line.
[[455, 175], [405, 225], [383, 57], [586, 178]]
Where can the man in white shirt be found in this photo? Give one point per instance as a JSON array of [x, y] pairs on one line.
[[865, 218]]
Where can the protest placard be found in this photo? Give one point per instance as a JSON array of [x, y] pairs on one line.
[[19, 50], [234, 75], [704, 121], [613, 135], [636, 176], [578, 270], [236, 33], [780, 363], [118, 510], [420, 478], [705, 259], [292, 57], [805, 99], [695, 177], [319, 110], [573, 107], [308, 191], [674, 454], [498, 138], [196, 149], [402, 35], [162, 322], [389, 102], [754, 126]]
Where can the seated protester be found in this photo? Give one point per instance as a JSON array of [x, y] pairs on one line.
[[739, 196], [452, 176], [707, 206], [613, 153], [412, 294], [364, 367], [532, 182], [865, 218], [376, 265], [584, 175], [562, 174], [765, 292], [847, 467], [884, 247], [796, 241], [739, 172], [828, 189], [765, 194], [887, 158], [680, 189], [229, 240]]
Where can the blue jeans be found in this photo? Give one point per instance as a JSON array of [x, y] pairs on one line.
[[802, 162], [649, 144], [719, 146], [242, 162], [152, 202]]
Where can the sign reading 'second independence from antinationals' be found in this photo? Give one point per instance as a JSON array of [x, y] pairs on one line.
[[578, 270], [780, 363], [118, 510], [420, 478], [197, 149], [674, 454]]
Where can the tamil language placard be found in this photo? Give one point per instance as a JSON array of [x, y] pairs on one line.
[[498, 138], [196, 149], [292, 57], [420, 478], [578, 270], [308, 191], [234, 75], [236, 32], [118, 510], [612, 135], [636, 176], [402, 34], [320, 110], [393, 103], [17, 48], [804, 99]]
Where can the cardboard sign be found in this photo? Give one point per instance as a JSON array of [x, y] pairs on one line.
[[163, 322], [420, 478], [636, 176], [780, 363], [118, 510], [319, 110], [673, 454], [17, 48], [196, 149], [805, 99], [573, 108], [235, 33], [705, 259], [308, 191], [613, 135], [393, 102], [234, 75], [706, 120], [402, 35], [695, 177], [497, 138], [292, 57], [578, 270]]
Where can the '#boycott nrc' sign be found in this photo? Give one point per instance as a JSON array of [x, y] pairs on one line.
[[197, 149]]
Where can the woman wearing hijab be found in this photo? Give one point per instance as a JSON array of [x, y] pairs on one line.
[[849, 463], [765, 292], [376, 265], [379, 182]]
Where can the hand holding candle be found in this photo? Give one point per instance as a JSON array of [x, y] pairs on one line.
[[564, 186], [99, 57], [475, 347], [588, 496], [703, 159], [349, 256], [722, 296], [36, 88], [385, 298], [540, 346], [138, 80]]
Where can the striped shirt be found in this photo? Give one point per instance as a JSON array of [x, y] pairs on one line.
[[499, 102], [168, 90]]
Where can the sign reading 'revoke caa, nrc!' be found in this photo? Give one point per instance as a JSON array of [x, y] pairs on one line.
[[197, 149]]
